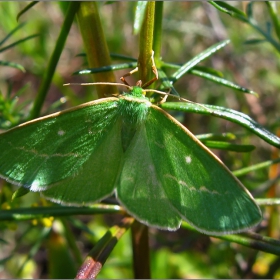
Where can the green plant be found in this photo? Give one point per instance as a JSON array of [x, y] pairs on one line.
[[150, 21]]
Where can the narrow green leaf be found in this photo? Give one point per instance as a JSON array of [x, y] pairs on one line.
[[60, 255], [34, 249], [212, 75], [26, 8], [165, 83], [190, 64], [31, 213], [222, 81], [272, 9], [263, 188], [264, 244], [268, 201], [228, 9], [115, 56], [255, 41], [207, 70], [216, 137], [254, 244], [106, 68], [244, 171], [228, 146], [4, 241], [21, 237], [249, 10], [4, 260], [11, 33], [122, 57], [80, 225], [228, 114], [20, 192], [12, 64], [269, 28], [224, 7], [18, 42]]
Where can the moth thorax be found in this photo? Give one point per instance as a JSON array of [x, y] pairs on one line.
[[133, 112]]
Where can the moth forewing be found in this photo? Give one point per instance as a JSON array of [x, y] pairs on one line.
[[41, 152], [203, 180]]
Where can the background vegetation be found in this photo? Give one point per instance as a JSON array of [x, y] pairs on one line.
[[39, 247]]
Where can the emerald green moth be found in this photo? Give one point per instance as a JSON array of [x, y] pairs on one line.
[[127, 146]]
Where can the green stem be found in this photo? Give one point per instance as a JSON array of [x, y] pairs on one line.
[[140, 232], [103, 248], [267, 201], [251, 240], [31, 213], [96, 46], [271, 6], [158, 31], [254, 168], [140, 245], [267, 36], [48, 75], [68, 233], [146, 43], [254, 244]]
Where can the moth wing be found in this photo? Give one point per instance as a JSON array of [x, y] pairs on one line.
[[139, 188], [67, 151], [96, 177], [196, 182], [175, 174]]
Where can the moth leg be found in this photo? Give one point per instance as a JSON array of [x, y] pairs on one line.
[[128, 74], [139, 83], [154, 69], [165, 97]]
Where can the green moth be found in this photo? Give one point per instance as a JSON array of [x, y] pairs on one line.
[[125, 145]]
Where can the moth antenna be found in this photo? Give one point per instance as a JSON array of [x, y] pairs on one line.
[[99, 83], [177, 97]]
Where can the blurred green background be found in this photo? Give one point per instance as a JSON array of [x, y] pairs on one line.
[[28, 248]]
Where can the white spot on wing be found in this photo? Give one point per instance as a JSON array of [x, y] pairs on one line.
[[188, 159], [61, 132]]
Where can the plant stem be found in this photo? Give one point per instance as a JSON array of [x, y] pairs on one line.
[[140, 245], [158, 31], [96, 46], [139, 232], [146, 43], [101, 251], [47, 78], [31, 213]]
